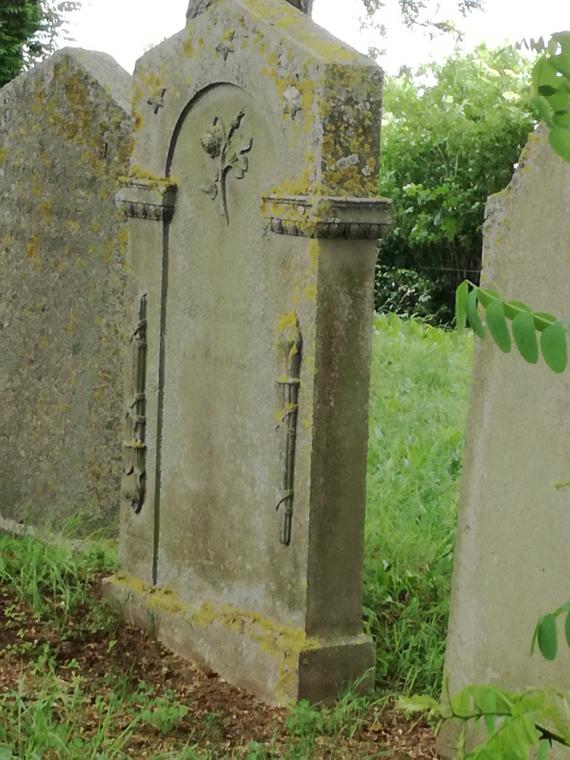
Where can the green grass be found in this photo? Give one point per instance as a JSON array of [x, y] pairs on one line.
[[54, 580], [417, 413], [420, 380]]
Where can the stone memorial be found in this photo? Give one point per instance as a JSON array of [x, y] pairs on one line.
[[253, 221], [64, 140], [511, 564]]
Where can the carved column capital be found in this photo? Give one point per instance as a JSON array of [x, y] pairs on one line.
[[152, 199], [327, 216]]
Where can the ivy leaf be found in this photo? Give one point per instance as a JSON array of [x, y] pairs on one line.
[[559, 138], [461, 295], [524, 333], [548, 637], [567, 629], [497, 324], [554, 349], [473, 315]]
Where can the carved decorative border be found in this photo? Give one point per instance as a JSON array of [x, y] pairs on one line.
[[135, 447], [291, 340], [327, 216], [154, 200]]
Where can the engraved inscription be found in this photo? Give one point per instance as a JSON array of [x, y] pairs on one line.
[[135, 469], [218, 143], [291, 341]]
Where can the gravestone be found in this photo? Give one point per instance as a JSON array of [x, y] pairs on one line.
[[253, 221], [64, 140], [511, 564]]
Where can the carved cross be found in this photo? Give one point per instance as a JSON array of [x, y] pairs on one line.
[[157, 102]]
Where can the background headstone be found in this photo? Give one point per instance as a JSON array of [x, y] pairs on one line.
[[511, 563], [64, 140], [252, 239]]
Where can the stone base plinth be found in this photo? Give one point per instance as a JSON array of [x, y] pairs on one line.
[[277, 664]]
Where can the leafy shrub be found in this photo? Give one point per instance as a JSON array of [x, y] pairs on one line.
[[452, 133], [405, 292]]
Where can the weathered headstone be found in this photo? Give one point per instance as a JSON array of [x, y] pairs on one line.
[[511, 562], [64, 140], [252, 238]]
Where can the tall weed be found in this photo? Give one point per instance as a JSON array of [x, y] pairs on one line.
[[420, 379]]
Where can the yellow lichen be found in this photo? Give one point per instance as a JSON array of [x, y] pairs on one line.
[[282, 643]]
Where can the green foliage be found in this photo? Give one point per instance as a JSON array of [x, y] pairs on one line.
[[29, 30], [19, 20], [517, 723], [551, 79], [420, 380], [405, 292], [546, 632], [306, 723], [164, 713], [526, 324], [451, 135]]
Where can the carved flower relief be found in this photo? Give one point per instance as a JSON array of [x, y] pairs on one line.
[[212, 141], [218, 143]]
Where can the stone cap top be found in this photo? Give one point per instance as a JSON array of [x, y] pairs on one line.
[[101, 67], [285, 17], [196, 7], [327, 216]]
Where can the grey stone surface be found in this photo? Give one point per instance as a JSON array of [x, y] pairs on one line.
[[199, 6], [511, 562], [64, 140], [252, 241]]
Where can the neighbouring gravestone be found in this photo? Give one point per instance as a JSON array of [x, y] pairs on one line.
[[511, 564], [65, 137], [252, 239]]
